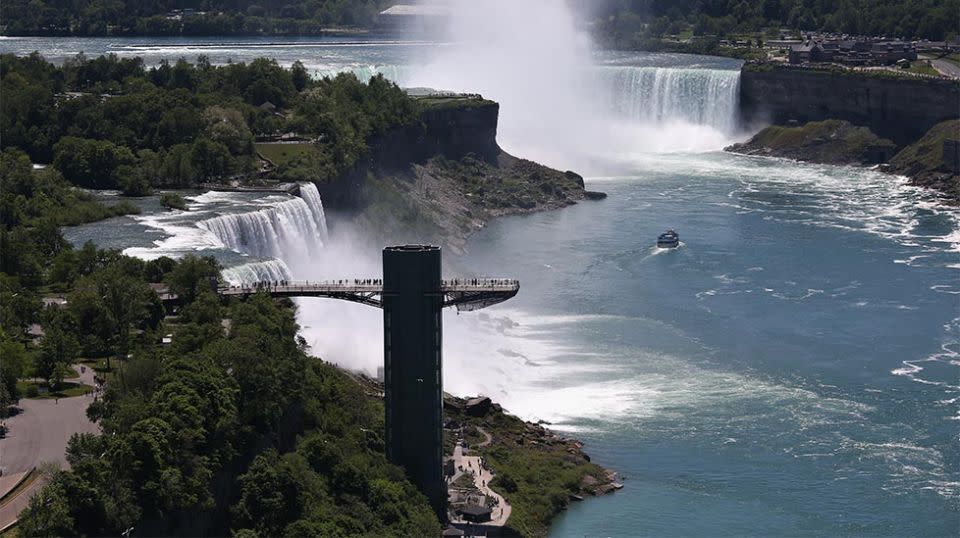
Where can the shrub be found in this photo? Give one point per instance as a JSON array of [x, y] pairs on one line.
[[172, 200]]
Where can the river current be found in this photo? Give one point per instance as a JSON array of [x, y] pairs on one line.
[[792, 369]]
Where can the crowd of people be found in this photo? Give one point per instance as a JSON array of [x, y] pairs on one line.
[[273, 285]]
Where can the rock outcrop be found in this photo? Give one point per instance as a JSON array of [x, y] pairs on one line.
[[933, 161], [441, 179], [830, 142]]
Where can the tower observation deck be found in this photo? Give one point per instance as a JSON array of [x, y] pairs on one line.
[[412, 295]]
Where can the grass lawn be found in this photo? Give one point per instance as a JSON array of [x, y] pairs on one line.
[[66, 390], [282, 154], [922, 68], [466, 481]]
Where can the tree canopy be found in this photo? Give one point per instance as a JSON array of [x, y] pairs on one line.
[[174, 17], [231, 432], [111, 123]]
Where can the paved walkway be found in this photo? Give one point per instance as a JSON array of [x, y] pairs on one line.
[[488, 438], [10, 510], [946, 68], [39, 433], [481, 479]]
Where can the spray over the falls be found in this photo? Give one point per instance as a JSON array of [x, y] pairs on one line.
[[532, 59]]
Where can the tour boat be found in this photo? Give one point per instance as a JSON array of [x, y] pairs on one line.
[[669, 239]]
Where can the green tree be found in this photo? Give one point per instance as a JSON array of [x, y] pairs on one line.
[[269, 495], [211, 159], [192, 275], [90, 163], [228, 127], [13, 366], [58, 350], [48, 513]]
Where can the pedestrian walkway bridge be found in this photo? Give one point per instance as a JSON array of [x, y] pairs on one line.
[[465, 294]]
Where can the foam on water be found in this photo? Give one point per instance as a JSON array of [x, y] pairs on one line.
[[842, 197], [941, 369], [180, 237], [636, 389]]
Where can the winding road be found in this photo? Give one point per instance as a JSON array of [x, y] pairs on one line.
[[38, 434]]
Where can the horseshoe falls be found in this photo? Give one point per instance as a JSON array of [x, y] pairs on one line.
[[658, 95]]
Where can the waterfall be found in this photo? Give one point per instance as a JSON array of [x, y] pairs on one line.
[[277, 231], [659, 95], [310, 195], [265, 270], [396, 73]]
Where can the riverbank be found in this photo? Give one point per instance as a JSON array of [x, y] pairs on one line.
[[930, 162], [539, 472]]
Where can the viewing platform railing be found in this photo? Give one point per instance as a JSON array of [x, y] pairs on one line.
[[463, 293]]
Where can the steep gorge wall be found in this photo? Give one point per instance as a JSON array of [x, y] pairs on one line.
[[899, 108], [452, 130]]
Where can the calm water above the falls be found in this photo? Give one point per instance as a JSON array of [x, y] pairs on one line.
[[793, 368]]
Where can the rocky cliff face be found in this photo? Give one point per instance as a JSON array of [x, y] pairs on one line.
[[901, 109], [441, 179], [451, 131]]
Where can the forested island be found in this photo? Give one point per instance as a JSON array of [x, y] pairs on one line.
[[111, 123]]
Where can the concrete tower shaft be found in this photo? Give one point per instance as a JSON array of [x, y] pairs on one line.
[[412, 303]]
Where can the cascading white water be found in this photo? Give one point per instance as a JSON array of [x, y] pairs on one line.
[[311, 196], [396, 73], [660, 95], [558, 106], [260, 271], [277, 230]]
